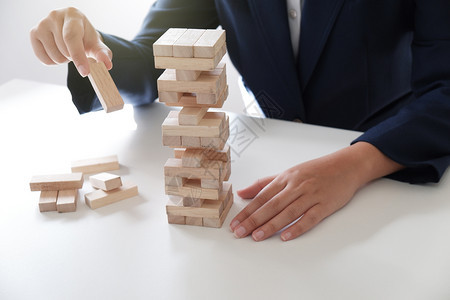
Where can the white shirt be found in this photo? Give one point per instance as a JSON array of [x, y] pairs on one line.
[[294, 11]]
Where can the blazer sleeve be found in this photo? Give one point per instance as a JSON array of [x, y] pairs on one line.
[[418, 137], [133, 65]]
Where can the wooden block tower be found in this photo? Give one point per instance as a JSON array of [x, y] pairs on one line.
[[195, 79]]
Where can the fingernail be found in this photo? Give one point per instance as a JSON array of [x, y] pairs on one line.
[[286, 236], [234, 224], [258, 235], [239, 232], [82, 70]]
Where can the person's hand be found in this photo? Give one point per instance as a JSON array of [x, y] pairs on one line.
[[312, 190], [67, 35]]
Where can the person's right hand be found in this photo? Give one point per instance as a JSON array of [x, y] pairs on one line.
[[67, 35]]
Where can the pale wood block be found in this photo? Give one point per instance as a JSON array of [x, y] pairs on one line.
[[180, 220], [190, 100], [47, 201], [184, 45], [56, 182], [218, 222], [100, 198], [222, 154], [194, 221], [67, 201], [169, 97], [187, 75], [193, 189], [215, 142], [96, 165], [209, 170], [164, 45], [105, 181], [192, 202], [207, 127], [190, 141], [178, 152], [190, 63], [192, 158], [227, 172], [171, 141], [208, 82], [191, 115], [174, 180], [211, 184], [104, 86], [209, 43]]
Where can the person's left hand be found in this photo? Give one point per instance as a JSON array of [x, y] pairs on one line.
[[312, 190]]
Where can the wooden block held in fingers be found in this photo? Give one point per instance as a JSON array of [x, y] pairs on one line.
[[56, 182], [184, 45], [105, 181], [100, 198], [187, 75], [47, 201], [209, 43], [190, 63], [191, 115], [164, 45], [96, 165], [67, 201], [104, 86]]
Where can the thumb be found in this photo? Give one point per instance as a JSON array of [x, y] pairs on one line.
[[253, 190], [102, 53]]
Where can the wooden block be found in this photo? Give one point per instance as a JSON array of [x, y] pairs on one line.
[[96, 165], [195, 221], [190, 100], [171, 141], [67, 201], [164, 45], [190, 142], [100, 198], [169, 97], [172, 219], [209, 170], [218, 222], [209, 82], [105, 181], [190, 63], [227, 172], [192, 202], [207, 127], [192, 158], [174, 180], [56, 182], [191, 115], [178, 152], [47, 201], [211, 184], [222, 155], [209, 43], [193, 189], [104, 86], [184, 45], [187, 75]]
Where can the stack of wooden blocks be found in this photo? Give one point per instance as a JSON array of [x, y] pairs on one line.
[[195, 80]]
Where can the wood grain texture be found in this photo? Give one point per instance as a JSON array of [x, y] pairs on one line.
[[104, 86], [184, 45], [164, 45], [193, 189], [191, 115], [56, 182], [105, 181], [67, 201], [100, 198], [209, 43], [47, 201]]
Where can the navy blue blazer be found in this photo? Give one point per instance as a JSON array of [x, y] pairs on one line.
[[382, 67]]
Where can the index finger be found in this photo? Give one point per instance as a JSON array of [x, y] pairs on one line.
[[73, 32]]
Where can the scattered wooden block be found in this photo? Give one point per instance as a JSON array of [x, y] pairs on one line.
[[184, 45], [104, 86], [47, 201], [191, 115], [187, 75], [164, 45], [67, 201], [100, 198], [96, 165], [105, 181], [56, 182], [190, 63], [209, 43]]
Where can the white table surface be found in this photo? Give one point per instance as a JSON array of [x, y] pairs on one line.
[[391, 242]]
